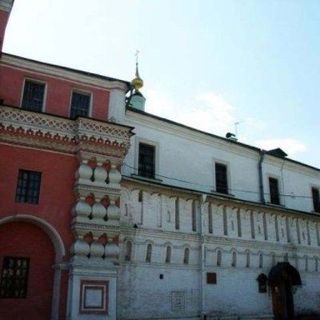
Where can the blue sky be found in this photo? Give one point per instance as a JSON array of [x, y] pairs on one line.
[[206, 63]]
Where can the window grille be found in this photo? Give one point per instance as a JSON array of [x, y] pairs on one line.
[[14, 277], [33, 95], [28, 186], [80, 104], [146, 160]]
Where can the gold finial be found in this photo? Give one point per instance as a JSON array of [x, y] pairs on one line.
[[137, 82]]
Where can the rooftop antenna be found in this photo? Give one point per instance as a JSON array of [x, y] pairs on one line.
[[236, 124]]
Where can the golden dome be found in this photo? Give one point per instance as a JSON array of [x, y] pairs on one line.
[[137, 82]]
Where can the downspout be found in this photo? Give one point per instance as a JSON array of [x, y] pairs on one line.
[[261, 188], [203, 199]]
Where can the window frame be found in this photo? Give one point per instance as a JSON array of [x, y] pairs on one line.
[[25, 195], [227, 176], [83, 92], [44, 99], [156, 147]]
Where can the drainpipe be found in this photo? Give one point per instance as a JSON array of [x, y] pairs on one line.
[[261, 188], [203, 199]]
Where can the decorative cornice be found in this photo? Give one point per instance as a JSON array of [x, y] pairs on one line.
[[51, 132]]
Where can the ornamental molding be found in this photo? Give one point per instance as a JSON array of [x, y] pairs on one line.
[[131, 183], [27, 128]]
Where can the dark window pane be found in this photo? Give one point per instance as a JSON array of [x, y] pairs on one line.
[[146, 160], [14, 277], [79, 105], [211, 278], [28, 186], [221, 178], [274, 191], [316, 199], [33, 95]]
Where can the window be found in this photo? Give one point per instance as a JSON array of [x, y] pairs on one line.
[[274, 191], [211, 278], [219, 258], [146, 160], [14, 277], [80, 103], [262, 283], [33, 95], [168, 254], [234, 259], [186, 256], [128, 251], [316, 199], [177, 214], [28, 186], [149, 253], [194, 216], [221, 178]]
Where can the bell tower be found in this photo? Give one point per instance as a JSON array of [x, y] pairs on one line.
[[5, 8]]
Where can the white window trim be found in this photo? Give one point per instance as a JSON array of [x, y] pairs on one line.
[[44, 101], [84, 92]]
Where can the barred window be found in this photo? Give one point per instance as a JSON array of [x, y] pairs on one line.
[[14, 277], [33, 95], [80, 103], [146, 160], [28, 186], [221, 178]]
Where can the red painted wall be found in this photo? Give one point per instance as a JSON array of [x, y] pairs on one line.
[[56, 192], [26, 240], [55, 204], [58, 92], [4, 16]]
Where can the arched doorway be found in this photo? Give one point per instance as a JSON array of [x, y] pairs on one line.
[[29, 248], [282, 277]]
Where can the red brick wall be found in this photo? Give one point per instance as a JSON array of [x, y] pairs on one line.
[[58, 92], [26, 240]]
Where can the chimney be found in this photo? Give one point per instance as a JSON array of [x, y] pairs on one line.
[[5, 8]]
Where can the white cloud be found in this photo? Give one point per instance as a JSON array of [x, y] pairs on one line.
[[289, 145], [207, 112]]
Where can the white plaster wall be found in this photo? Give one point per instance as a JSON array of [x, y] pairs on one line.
[[186, 158]]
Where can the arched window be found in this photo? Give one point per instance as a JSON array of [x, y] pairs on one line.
[[128, 251], [260, 260], [168, 254], [219, 258], [149, 253], [186, 256], [306, 263], [234, 259], [247, 259]]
